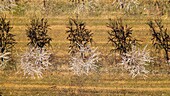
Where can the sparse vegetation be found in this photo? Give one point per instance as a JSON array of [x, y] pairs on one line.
[[157, 7], [7, 5], [128, 6], [90, 7]]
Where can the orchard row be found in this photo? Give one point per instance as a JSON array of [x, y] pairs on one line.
[[83, 58]]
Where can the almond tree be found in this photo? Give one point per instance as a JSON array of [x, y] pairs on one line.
[[83, 57], [120, 36], [7, 43], [132, 58], [37, 59], [160, 37]]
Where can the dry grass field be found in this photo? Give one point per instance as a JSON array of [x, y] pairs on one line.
[[109, 80]]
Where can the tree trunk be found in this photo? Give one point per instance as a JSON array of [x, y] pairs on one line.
[[167, 56]]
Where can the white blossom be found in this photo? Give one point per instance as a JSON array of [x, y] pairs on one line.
[[135, 61], [4, 58], [84, 64], [86, 8], [35, 61]]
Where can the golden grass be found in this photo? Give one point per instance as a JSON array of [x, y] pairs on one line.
[[63, 82], [18, 86]]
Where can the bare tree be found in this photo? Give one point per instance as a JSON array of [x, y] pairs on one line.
[[160, 37]]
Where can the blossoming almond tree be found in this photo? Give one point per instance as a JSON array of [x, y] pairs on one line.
[[37, 59], [133, 59], [83, 57]]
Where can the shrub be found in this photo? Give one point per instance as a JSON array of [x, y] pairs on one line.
[[7, 43], [160, 37]]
